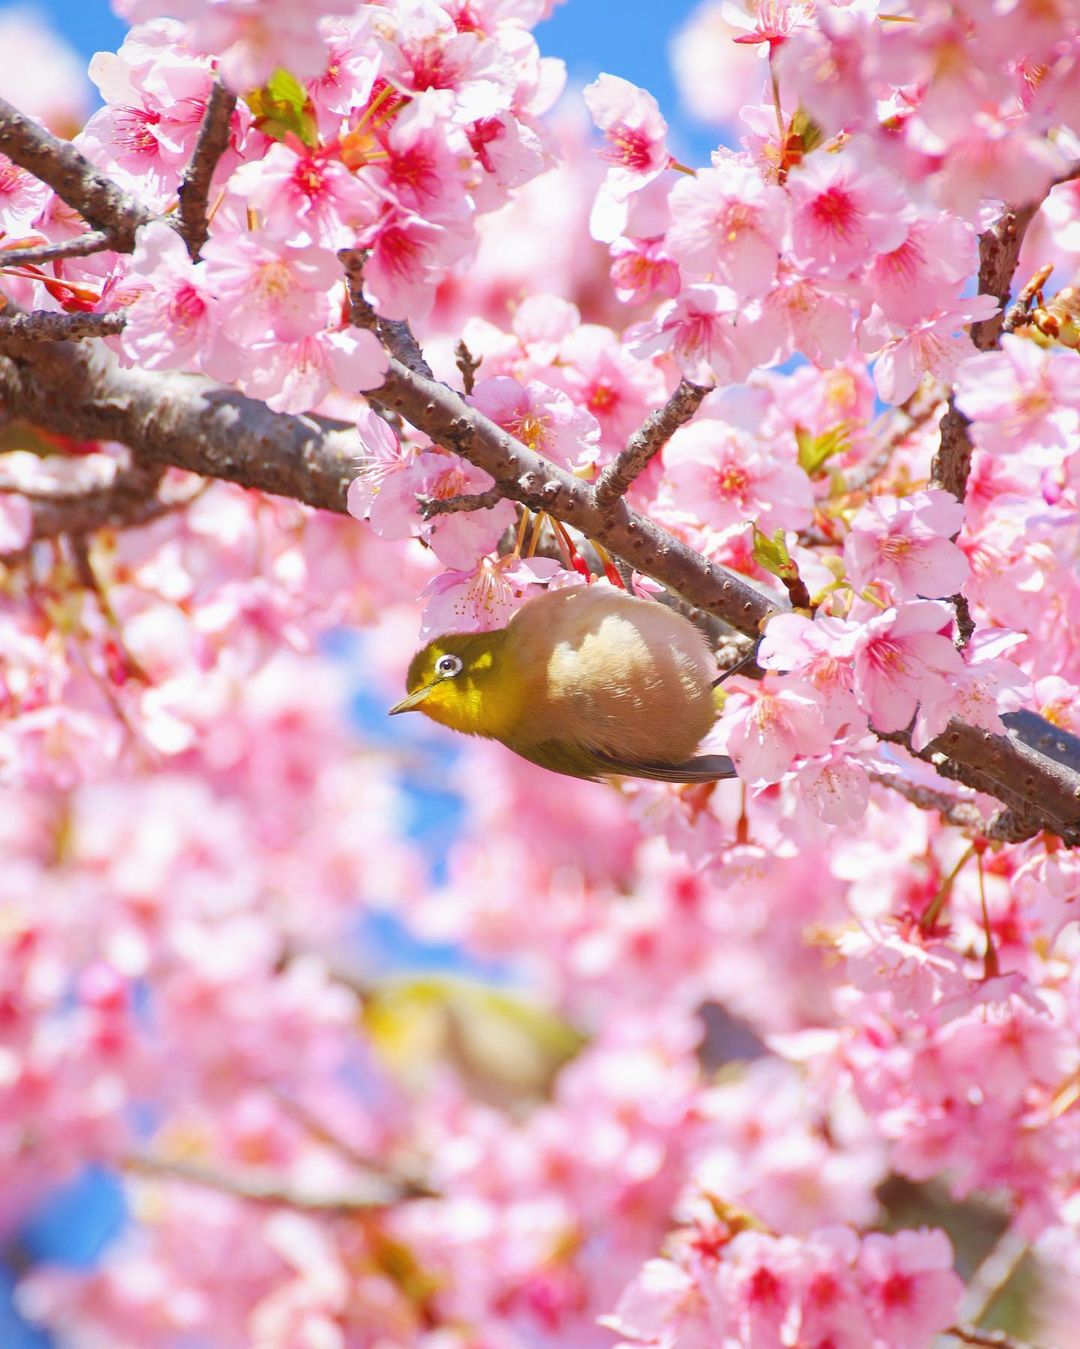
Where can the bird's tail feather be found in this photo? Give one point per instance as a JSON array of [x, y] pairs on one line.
[[702, 768]]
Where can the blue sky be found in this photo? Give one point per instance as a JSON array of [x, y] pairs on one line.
[[624, 37]]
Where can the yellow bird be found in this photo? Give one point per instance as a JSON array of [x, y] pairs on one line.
[[587, 681]]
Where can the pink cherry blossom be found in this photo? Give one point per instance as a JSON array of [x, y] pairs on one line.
[[710, 338], [933, 261], [767, 729], [634, 132], [381, 455], [483, 598], [936, 346], [270, 291], [251, 37], [174, 321], [714, 474], [423, 49], [835, 786], [457, 539], [901, 657], [641, 269], [305, 196], [909, 1284], [542, 418], [905, 542], [1021, 398], [843, 213], [297, 375], [407, 255], [818, 324], [22, 197], [727, 222], [978, 694]]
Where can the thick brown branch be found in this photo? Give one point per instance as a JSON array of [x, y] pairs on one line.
[[376, 1192], [93, 241], [72, 177], [43, 325], [212, 143], [181, 420], [542, 486], [648, 440], [999, 252], [1040, 792]]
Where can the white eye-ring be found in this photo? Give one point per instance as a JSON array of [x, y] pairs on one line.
[[448, 666]]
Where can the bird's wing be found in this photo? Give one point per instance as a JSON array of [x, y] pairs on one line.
[[702, 768]]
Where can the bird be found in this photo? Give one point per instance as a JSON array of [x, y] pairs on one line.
[[588, 681]]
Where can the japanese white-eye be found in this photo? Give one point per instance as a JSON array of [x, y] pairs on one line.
[[589, 681]]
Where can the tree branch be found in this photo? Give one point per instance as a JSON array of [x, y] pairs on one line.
[[468, 364], [986, 1339], [212, 143], [395, 334], [45, 325], [467, 501], [651, 437], [999, 252], [72, 177], [954, 811], [185, 421], [130, 499], [182, 420], [93, 241], [379, 1192]]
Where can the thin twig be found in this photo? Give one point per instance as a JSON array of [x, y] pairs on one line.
[[44, 325], [651, 437], [321, 1133], [467, 501], [93, 241], [988, 1281], [1017, 314], [395, 334], [987, 1339], [72, 177], [378, 1192], [212, 143], [468, 364], [963, 814]]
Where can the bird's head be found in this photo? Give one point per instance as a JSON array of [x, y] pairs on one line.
[[465, 681]]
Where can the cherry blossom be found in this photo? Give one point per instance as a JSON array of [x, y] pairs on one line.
[[384, 1036], [899, 655], [906, 543]]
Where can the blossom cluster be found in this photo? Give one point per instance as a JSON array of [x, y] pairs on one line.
[[849, 215], [695, 1040], [383, 128]]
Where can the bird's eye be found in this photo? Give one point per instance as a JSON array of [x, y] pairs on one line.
[[448, 666]]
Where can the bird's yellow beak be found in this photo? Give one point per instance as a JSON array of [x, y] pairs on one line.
[[412, 702]]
